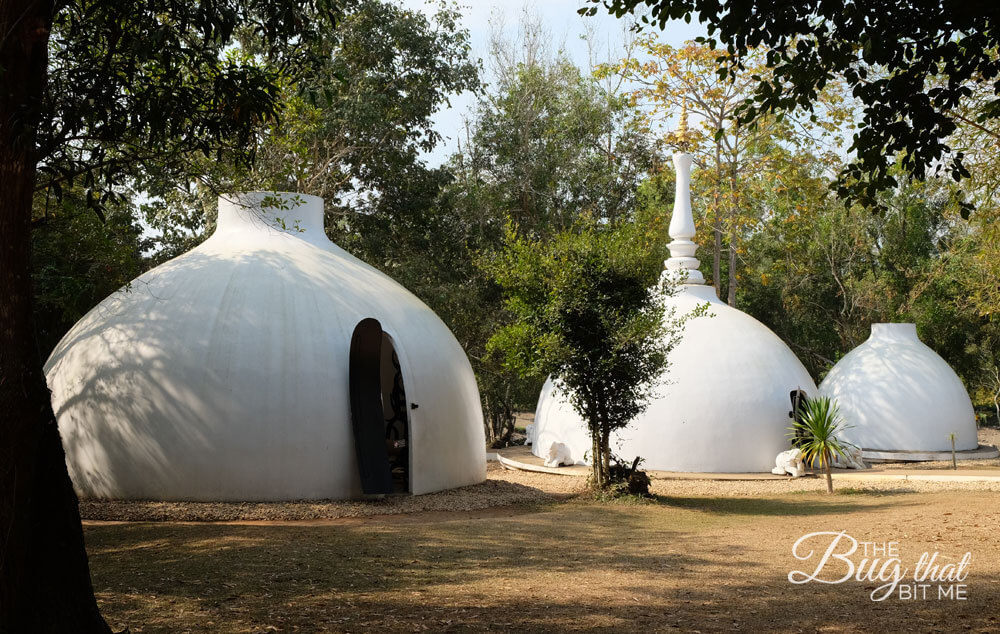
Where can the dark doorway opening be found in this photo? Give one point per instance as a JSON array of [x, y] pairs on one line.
[[379, 413], [396, 414]]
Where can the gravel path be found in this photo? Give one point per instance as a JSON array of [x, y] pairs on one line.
[[501, 488], [770, 488]]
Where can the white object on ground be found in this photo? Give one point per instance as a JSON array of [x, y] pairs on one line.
[[558, 455], [851, 459], [529, 434], [789, 462]]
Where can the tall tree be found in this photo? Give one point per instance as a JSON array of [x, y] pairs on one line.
[[910, 63], [740, 163], [819, 273], [546, 144], [95, 93]]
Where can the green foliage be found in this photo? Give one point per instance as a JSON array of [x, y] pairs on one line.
[[78, 260], [352, 130], [819, 274], [587, 311], [815, 432], [911, 64], [551, 143], [137, 95], [428, 228], [136, 89]]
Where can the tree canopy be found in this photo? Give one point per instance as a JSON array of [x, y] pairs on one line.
[[911, 64], [137, 89]]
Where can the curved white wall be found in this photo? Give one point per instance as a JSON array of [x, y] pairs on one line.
[[899, 395], [223, 373], [724, 407]]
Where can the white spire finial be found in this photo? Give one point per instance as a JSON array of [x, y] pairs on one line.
[[682, 262]]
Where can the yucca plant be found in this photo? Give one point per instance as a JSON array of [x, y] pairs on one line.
[[815, 433]]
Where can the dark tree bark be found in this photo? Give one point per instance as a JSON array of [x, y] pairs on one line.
[[717, 226], [44, 576], [733, 233]]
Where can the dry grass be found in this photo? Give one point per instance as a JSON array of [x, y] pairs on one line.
[[681, 563]]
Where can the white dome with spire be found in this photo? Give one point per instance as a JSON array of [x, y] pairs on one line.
[[722, 405], [227, 373]]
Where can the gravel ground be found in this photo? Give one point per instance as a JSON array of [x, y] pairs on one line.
[[501, 488], [771, 488]]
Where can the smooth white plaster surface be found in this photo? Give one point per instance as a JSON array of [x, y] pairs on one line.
[[899, 395], [223, 373], [722, 406]]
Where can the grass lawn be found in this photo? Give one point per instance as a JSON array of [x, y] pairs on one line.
[[677, 564]]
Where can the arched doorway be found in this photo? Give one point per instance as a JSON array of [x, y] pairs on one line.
[[379, 411], [395, 411]]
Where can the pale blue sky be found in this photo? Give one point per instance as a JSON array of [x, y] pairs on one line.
[[560, 19]]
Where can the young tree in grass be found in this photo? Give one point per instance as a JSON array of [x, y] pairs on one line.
[[819, 422], [588, 311]]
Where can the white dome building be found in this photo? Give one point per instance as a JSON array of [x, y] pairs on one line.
[[899, 396], [243, 369], [724, 403]]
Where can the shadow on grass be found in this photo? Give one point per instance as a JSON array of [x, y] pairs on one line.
[[572, 566], [771, 506]]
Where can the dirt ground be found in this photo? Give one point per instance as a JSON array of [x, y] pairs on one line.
[[685, 562]]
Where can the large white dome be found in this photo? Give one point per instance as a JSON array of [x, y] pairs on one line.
[[223, 374], [899, 395], [723, 403], [723, 407]]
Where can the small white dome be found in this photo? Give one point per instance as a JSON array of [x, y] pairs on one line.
[[223, 374], [899, 395], [723, 407]]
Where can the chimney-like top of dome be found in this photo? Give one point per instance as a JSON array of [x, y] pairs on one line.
[[287, 212]]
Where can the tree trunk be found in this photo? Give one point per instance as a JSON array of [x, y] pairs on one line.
[[996, 398], [829, 476], [717, 226], [605, 452], [499, 421], [44, 577], [733, 234], [489, 421], [595, 457], [732, 267]]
